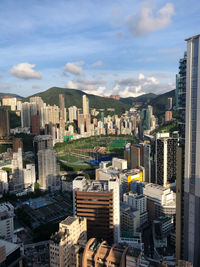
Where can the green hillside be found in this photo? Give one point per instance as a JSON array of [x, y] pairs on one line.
[[74, 97]]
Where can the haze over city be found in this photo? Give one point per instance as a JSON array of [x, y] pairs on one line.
[[101, 47]]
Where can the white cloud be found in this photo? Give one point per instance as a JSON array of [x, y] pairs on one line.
[[89, 86], [1, 74], [74, 67], [25, 71], [135, 86], [97, 63], [148, 21]]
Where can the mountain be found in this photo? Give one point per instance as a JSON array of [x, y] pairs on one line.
[[9, 95], [74, 97]]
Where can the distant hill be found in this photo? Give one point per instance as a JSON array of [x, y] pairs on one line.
[[9, 95], [74, 97]]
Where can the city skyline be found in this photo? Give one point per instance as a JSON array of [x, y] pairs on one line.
[[125, 47]]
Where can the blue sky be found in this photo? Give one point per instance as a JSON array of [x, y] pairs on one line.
[[103, 47]]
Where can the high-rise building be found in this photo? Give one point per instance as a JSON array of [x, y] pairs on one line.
[[6, 220], [17, 143], [147, 162], [81, 122], [168, 116], [165, 158], [48, 170], [99, 202], [85, 105], [169, 103], [72, 113], [4, 123], [192, 154], [62, 106], [137, 155], [181, 107], [64, 244], [35, 124], [41, 142], [160, 201]]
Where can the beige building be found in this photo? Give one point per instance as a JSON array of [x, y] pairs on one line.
[[85, 105], [64, 245]]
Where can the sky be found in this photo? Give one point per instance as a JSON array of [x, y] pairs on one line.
[[103, 47]]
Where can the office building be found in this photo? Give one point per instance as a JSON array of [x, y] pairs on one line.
[[138, 202], [165, 157], [99, 202], [85, 105], [6, 220], [181, 108], [129, 220], [119, 164], [137, 156], [148, 161], [4, 123], [64, 244], [160, 201], [48, 170], [192, 154]]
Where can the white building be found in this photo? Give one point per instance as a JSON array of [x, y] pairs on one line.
[[160, 200], [72, 113], [3, 181], [29, 175], [119, 164], [62, 246], [6, 220], [48, 170], [138, 202]]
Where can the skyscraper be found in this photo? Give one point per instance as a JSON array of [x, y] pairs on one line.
[[4, 123], [99, 202], [180, 106], [85, 105], [165, 159], [62, 106], [192, 154], [48, 170]]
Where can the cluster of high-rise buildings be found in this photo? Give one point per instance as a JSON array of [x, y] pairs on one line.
[[137, 209]]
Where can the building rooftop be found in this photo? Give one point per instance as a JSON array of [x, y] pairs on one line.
[[69, 220], [42, 137], [10, 247], [193, 37], [94, 185]]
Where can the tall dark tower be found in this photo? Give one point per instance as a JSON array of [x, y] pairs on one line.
[[4, 123], [180, 106]]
